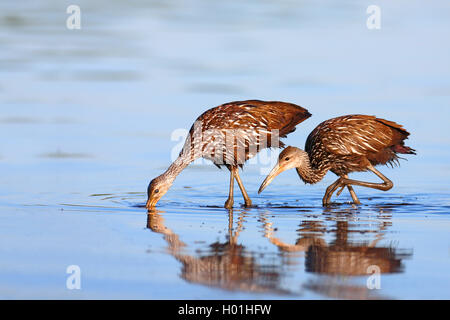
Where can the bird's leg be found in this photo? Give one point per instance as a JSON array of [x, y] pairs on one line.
[[230, 201], [386, 185], [248, 202], [352, 192], [329, 192]]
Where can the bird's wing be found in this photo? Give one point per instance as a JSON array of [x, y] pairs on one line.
[[351, 135], [255, 120], [238, 130], [256, 114]]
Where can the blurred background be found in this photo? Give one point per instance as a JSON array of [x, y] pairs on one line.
[[90, 112]]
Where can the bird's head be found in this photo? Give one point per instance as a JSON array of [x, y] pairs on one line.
[[289, 158], [156, 189]]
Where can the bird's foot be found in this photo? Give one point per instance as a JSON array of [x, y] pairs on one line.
[[328, 203], [248, 204], [229, 204]]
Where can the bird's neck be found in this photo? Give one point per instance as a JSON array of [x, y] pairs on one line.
[[176, 167], [309, 174]]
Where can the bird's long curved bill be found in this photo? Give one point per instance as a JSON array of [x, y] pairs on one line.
[[273, 173]]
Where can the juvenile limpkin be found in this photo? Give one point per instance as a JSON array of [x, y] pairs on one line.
[[229, 135], [343, 145]]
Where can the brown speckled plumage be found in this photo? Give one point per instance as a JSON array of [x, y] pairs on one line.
[[229, 135], [343, 145], [250, 126], [349, 143]]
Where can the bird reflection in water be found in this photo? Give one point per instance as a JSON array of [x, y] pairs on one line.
[[226, 265], [342, 258], [333, 263]]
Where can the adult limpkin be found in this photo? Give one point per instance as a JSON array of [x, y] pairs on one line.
[[229, 135], [343, 145]]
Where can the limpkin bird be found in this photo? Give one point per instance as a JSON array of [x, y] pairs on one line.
[[343, 145], [229, 135]]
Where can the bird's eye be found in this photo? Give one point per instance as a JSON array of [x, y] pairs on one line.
[[156, 191], [287, 158]]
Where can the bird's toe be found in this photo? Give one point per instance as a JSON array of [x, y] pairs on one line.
[[229, 204]]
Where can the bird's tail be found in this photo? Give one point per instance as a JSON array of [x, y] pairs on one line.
[[403, 149]]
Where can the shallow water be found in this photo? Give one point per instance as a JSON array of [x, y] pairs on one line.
[[87, 118]]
